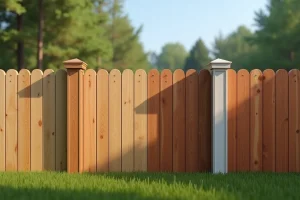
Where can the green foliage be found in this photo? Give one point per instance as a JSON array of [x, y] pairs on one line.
[[198, 57], [236, 48], [72, 29], [172, 56], [275, 44], [127, 51], [278, 34]]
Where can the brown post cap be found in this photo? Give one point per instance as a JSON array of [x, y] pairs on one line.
[[75, 64]]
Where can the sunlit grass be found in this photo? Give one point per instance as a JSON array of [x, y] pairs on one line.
[[50, 185]]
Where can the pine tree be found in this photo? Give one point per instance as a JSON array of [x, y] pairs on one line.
[[198, 57], [11, 16], [128, 52]]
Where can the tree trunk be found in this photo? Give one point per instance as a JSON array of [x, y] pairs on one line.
[[20, 48], [40, 36]]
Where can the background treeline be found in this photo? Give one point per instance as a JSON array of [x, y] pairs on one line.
[[274, 44], [43, 33]]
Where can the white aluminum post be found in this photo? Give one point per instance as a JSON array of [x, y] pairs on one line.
[[219, 115]]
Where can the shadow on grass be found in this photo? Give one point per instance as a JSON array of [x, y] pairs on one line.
[[9, 192]]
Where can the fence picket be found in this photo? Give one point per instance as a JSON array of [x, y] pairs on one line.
[[11, 120], [24, 120], [166, 110], [61, 120], [281, 121], [192, 120], [153, 121], [127, 121], [256, 120], [89, 121], [36, 120], [205, 101], [115, 128], [102, 121], [298, 130], [140, 121], [294, 119], [268, 154], [243, 110], [232, 134], [179, 121], [2, 120], [49, 120]]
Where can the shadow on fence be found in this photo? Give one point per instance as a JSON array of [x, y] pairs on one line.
[[179, 137]]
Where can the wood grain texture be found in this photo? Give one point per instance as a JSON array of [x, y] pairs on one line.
[[294, 120], [298, 131], [61, 120], [268, 129], [205, 100], [115, 135], [102, 121], [37, 120], [2, 119], [140, 121], [282, 122], [256, 120], [89, 121], [24, 120], [166, 127], [49, 120], [127, 121], [79, 160], [153, 121], [192, 121], [243, 120], [11, 120], [179, 121], [232, 108], [74, 141]]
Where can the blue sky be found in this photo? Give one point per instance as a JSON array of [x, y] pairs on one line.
[[185, 21]]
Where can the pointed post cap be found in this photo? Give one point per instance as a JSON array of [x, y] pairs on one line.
[[220, 64], [75, 64]]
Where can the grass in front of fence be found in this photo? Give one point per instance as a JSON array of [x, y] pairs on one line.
[[51, 185]]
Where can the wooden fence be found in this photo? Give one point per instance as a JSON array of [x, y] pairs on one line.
[[131, 121], [140, 122], [33, 122], [155, 121], [264, 120]]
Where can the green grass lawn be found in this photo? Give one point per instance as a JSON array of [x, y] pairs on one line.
[[48, 185]]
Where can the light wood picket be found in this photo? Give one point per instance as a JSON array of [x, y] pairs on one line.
[[11, 121], [127, 121], [140, 121], [2, 120], [24, 120], [36, 120]]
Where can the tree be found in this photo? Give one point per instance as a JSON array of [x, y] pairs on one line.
[[63, 36], [172, 56], [152, 57], [198, 57], [278, 34], [127, 51], [11, 11], [236, 48], [40, 42]]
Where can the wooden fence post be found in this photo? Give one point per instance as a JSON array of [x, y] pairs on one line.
[[219, 115], [75, 69]]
